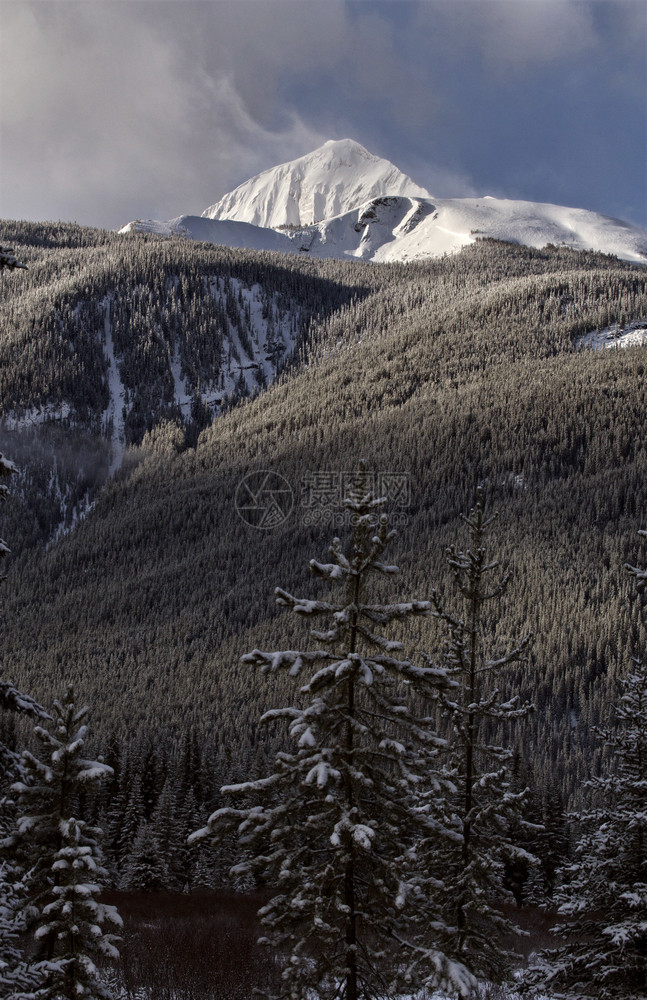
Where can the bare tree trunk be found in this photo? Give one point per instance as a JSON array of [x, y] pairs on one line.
[[349, 878]]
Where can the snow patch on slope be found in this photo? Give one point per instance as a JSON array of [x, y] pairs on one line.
[[261, 337], [114, 412], [631, 335], [35, 415]]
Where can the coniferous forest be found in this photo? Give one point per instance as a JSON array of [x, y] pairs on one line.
[[490, 767]]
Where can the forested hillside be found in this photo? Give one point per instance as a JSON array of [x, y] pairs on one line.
[[105, 337], [451, 373]]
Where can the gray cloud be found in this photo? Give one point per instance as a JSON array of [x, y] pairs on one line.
[[110, 111], [113, 110], [514, 37]]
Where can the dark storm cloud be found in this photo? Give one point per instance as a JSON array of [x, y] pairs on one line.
[[113, 110]]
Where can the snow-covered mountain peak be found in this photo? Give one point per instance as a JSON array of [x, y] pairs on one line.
[[330, 181], [336, 153], [342, 201]]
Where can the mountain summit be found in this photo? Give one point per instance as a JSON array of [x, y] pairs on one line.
[[342, 201], [336, 178]]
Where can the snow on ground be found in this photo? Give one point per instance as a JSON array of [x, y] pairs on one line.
[[271, 337], [35, 415], [183, 397], [79, 512], [533, 224], [145, 993], [632, 335], [224, 233]]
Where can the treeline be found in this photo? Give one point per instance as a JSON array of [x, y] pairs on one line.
[[156, 793]]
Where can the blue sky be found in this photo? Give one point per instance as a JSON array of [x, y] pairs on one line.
[[125, 108]]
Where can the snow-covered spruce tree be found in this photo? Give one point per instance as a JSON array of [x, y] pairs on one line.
[[640, 574], [604, 891], [11, 700], [485, 809], [145, 867], [333, 827], [63, 860], [14, 972]]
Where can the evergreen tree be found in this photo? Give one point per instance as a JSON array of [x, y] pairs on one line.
[[521, 876], [63, 860], [188, 817], [554, 849], [485, 809], [333, 828], [14, 971], [131, 818], [7, 469], [635, 571], [151, 777], [166, 828], [145, 867], [11, 700], [604, 890], [74, 920]]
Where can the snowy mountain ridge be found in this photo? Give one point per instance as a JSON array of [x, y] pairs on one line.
[[368, 209]]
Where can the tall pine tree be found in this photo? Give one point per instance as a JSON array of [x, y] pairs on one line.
[[14, 971], [604, 890], [332, 830], [484, 807]]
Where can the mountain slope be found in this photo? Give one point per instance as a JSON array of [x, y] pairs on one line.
[[108, 341], [451, 223], [339, 176], [451, 373]]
